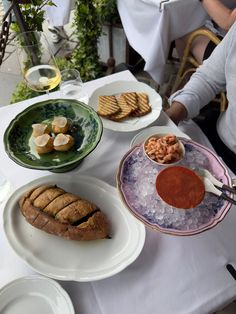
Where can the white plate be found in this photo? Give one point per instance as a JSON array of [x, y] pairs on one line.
[[36, 295], [131, 124], [143, 135], [64, 259]]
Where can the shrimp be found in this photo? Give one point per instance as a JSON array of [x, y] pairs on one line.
[[168, 158], [173, 148], [163, 150], [170, 139]]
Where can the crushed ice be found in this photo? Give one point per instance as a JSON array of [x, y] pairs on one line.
[[138, 186]]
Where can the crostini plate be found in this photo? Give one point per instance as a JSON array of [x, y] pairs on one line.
[[63, 259], [129, 124], [34, 294]]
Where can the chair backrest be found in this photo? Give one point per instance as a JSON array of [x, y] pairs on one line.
[[6, 23], [4, 34], [189, 64]]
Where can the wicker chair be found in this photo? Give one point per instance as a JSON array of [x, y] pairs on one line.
[[5, 25], [189, 64]]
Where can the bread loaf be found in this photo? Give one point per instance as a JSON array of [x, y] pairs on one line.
[[55, 211]]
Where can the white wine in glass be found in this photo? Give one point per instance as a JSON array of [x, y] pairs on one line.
[[42, 77], [37, 62]]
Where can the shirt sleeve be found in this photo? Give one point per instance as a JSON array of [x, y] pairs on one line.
[[208, 80]]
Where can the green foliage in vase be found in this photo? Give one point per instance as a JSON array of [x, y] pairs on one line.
[[33, 13], [89, 16]]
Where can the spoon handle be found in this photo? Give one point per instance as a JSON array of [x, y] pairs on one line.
[[229, 199], [228, 188]]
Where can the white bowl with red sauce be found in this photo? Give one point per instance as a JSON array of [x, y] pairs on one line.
[[164, 149]]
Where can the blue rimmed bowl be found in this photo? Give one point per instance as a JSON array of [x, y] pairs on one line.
[[86, 128]]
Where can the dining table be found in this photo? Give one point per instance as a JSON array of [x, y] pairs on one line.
[[152, 25], [172, 274]]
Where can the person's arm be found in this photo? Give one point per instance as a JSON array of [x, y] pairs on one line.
[[177, 112], [220, 14], [205, 83]]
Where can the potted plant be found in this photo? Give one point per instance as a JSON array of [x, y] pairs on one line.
[[88, 29], [33, 13], [89, 18]]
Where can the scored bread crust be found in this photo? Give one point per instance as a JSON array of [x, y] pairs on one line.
[[71, 217], [124, 112], [143, 105], [107, 105], [131, 99]]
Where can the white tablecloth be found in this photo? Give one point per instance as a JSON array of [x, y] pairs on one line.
[[172, 275], [150, 27], [150, 30]]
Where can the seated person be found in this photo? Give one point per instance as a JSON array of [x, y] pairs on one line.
[[217, 74], [222, 18], [58, 16]]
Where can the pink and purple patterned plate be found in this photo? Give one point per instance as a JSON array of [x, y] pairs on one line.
[[136, 183]]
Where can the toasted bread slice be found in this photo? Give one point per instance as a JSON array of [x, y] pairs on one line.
[[107, 106], [143, 105], [132, 100], [124, 112]]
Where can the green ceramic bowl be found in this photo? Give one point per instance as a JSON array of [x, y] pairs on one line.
[[86, 129]]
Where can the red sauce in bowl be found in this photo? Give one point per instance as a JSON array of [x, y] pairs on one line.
[[180, 187]]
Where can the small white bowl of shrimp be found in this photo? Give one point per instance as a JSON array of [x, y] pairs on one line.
[[164, 149]]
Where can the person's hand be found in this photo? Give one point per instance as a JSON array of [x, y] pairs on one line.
[[177, 112]]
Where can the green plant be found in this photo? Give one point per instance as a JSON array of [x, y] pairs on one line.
[[107, 10], [88, 29], [23, 92], [89, 16], [88, 20], [33, 13]]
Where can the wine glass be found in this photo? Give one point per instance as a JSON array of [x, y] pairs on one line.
[[37, 62]]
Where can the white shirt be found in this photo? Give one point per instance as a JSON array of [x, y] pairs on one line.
[[218, 73]]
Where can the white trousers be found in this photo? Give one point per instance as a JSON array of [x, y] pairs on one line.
[[59, 15]]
